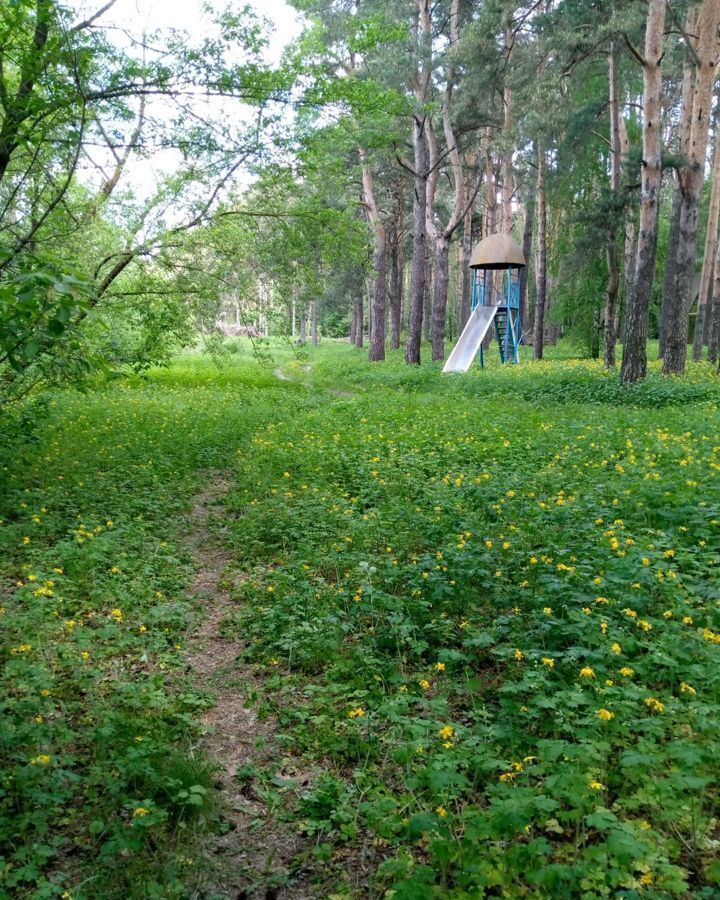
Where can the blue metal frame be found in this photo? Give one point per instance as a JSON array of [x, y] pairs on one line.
[[508, 326]]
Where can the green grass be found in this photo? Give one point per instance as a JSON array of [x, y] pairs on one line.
[[486, 605]]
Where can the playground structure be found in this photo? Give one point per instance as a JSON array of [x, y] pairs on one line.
[[495, 300]]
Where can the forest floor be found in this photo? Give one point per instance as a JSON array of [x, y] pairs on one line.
[[329, 629]]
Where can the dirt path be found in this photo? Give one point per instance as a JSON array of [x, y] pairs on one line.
[[257, 856]]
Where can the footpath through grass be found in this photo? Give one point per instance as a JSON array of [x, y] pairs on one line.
[[486, 606]]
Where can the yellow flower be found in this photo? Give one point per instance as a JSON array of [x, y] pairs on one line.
[[587, 672], [507, 776], [627, 672], [356, 713], [21, 648], [654, 704], [605, 715], [114, 570], [645, 561], [440, 666], [616, 648], [519, 655], [116, 614], [547, 610], [687, 620], [140, 811], [647, 878], [447, 732], [42, 760], [596, 785], [489, 545], [424, 684], [687, 688], [441, 811], [546, 661]]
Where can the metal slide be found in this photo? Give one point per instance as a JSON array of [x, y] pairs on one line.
[[465, 351]]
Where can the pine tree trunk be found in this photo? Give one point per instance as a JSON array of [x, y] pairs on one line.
[[303, 326], [684, 147], [527, 249], [376, 352], [417, 289], [314, 323], [675, 348], [353, 324], [441, 280], [466, 274], [541, 269], [360, 319], [714, 324], [427, 302], [398, 266], [613, 285], [634, 363], [711, 243], [630, 249]]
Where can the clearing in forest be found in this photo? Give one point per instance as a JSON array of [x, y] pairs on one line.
[[472, 624]]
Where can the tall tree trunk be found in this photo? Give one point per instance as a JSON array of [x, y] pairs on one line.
[[714, 339], [360, 322], [541, 270], [377, 305], [421, 81], [634, 363], [427, 300], [441, 278], [303, 326], [397, 281], [490, 186], [466, 274], [527, 249], [685, 130], [711, 243], [417, 288], [507, 175], [353, 324], [613, 285], [630, 238], [675, 348], [314, 322]]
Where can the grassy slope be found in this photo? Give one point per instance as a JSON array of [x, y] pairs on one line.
[[452, 582]]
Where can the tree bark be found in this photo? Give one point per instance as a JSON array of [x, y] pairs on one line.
[[360, 323], [421, 81], [303, 326], [613, 285], [634, 363], [541, 270], [427, 301], [466, 274], [711, 243], [417, 288], [630, 238], [714, 339], [376, 351], [314, 323], [675, 349], [507, 175], [441, 279], [397, 281], [527, 248], [685, 131]]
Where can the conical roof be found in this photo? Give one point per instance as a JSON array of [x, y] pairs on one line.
[[497, 251]]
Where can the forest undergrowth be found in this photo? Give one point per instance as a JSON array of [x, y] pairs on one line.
[[485, 607]]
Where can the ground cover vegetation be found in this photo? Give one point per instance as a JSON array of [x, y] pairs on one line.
[[479, 615], [484, 609]]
